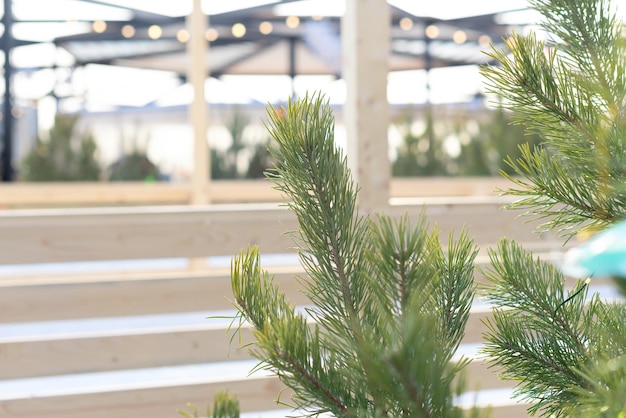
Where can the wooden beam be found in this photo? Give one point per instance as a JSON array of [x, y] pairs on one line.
[[31, 299], [197, 50], [366, 36], [61, 235], [108, 350], [16, 195]]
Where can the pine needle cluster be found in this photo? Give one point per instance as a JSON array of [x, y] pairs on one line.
[[388, 303], [566, 349], [571, 91]]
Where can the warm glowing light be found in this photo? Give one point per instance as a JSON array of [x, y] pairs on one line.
[[459, 37], [128, 31], [182, 35], [155, 32], [292, 21], [317, 17], [266, 28], [406, 23], [432, 31], [238, 30], [99, 26], [211, 34], [484, 40]]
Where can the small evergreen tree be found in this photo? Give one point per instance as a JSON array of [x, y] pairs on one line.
[[65, 156], [134, 166], [566, 349], [422, 154], [225, 164], [497, 139], [390, 303], [482, 153]]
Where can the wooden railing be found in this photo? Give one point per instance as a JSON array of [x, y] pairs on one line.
[[20, 195], [134, 341]]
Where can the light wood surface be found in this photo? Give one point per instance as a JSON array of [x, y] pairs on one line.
[[365, 37], [161, 345], [16, 195], [61, 235], [255, 394]]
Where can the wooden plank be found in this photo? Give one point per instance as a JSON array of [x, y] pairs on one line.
[[32, 236], [138, 294], [132, 348], [254, 395], [137, 233], [131, 193], [221, 191], [87, 193], [157, 402], [65, 296], [445, 186]]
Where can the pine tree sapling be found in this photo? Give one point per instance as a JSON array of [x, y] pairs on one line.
[[388, 304], [65, 156], [566, 349], [224, 406], [571, 92]]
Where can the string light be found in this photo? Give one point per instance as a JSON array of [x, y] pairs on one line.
[[155, 32], [238, 30], [459, 37], [99, 26], [266, 28], [292, 22], [128, 31], [432, 31], [182, 35], [211, 34], [484, 40], [406, 23]]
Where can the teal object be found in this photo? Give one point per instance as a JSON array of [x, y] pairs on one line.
[[603, 255]]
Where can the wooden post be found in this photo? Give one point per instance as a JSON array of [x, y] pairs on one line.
[[197, 49], [366, 38]]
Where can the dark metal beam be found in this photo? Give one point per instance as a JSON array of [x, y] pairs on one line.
[[7, 116]]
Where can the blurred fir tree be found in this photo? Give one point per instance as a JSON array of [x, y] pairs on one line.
[[134, 165], [225, 164], [65, 156], [482, 152], [496, 139], [422, 154], [261, 161]]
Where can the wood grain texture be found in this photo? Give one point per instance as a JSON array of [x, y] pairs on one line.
[[160, 401], [16, 195], [140, 348], [36, 299], [62, 235]]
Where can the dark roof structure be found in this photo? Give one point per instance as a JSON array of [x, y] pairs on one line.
[[271, 43]]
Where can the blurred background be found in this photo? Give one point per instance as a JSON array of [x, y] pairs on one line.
[[99, 91]]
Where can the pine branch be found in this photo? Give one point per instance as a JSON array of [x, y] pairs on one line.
[[572, 93], [545, 338], [390, 304]]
